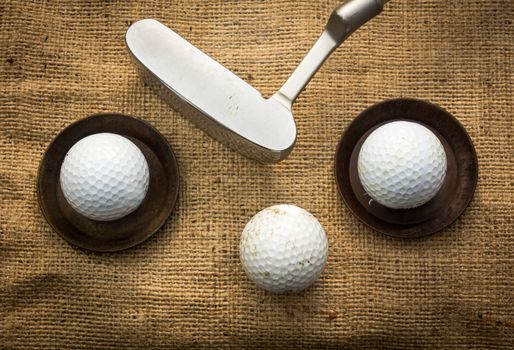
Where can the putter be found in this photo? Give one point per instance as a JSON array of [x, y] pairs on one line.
[[221, 103]]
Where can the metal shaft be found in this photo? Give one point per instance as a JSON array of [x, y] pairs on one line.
[[343, 21]]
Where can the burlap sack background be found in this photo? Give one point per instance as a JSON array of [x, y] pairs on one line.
[[63, 60]]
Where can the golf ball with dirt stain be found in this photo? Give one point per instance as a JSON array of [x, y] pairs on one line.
[[283, 248]]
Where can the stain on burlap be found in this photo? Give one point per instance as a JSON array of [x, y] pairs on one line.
[[63, 60]]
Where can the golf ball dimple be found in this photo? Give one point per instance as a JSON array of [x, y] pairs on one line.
[[104, 177], [402, 165], [283, 248]]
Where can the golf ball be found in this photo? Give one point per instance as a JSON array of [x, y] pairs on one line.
[[402, 165], [283, 248], [104, 176]]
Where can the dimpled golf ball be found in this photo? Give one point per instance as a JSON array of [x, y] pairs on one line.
[[104, 177], [402, 165], [283, 248]]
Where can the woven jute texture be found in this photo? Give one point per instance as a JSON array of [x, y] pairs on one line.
[[61, 61]]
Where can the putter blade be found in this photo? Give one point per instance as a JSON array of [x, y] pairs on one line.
[[211, 96]]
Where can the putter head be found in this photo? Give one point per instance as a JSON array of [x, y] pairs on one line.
[[211, 96]]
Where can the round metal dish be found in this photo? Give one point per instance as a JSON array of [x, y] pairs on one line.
[[451, 200], [109, 236]]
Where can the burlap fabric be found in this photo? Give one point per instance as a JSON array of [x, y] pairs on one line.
[[63, 60]]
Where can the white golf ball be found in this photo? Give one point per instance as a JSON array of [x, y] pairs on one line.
[[283, 248], [104, 176], [402, 165]]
